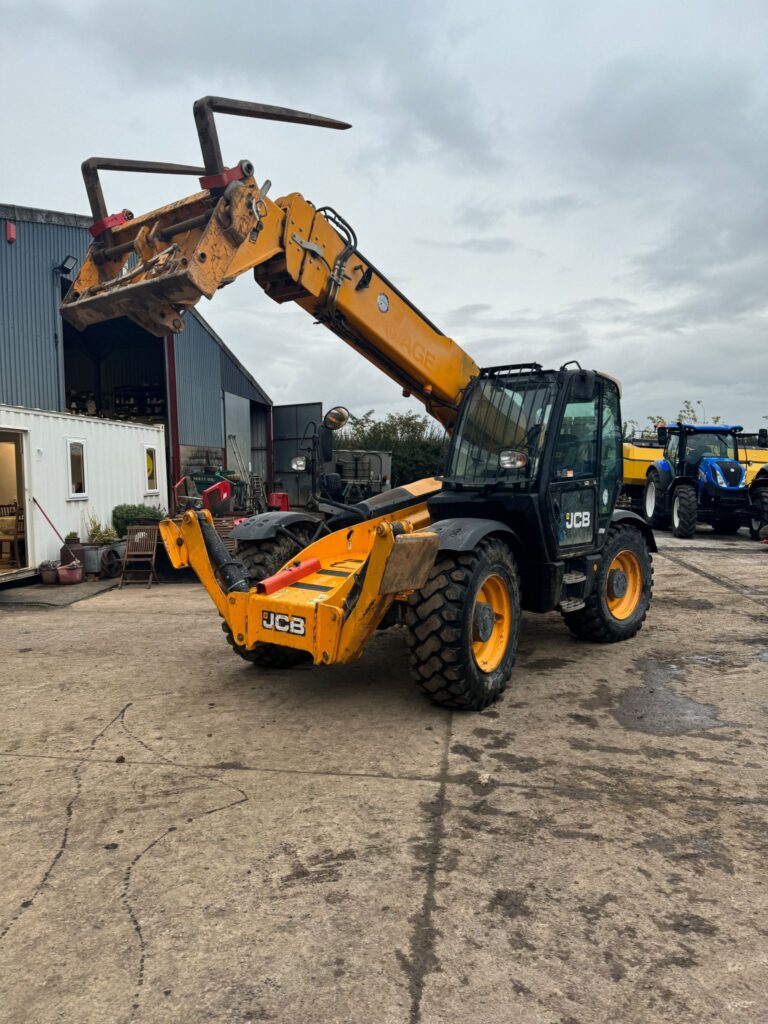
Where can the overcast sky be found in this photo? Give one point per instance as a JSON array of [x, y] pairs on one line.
[[547, 181]]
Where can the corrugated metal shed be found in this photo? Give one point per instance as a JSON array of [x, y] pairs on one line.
[[31, 347], [31, 368]]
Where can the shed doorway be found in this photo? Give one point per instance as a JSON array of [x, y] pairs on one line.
[[13, 535]]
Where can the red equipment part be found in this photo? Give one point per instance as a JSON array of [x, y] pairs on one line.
[[278, 501], [286, 576], [220, 492]]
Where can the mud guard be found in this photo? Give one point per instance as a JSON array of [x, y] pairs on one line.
[[462, 534], [621, 515], [269, 524]]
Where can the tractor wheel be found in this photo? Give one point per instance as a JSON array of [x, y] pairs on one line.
[[462, 627], [727, 525], [653, 502], [261, 559], [758, 519], [619, 602], [684, 511]]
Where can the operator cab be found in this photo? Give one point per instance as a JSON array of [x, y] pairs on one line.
[[543, 449]]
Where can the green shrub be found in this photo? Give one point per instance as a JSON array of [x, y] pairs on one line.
[[124, 515], [98, 534]]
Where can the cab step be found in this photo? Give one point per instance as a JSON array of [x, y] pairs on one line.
[[571, 604], [574, 577]]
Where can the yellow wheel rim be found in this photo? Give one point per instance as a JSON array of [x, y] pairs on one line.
[[490, 637], [625, 588]]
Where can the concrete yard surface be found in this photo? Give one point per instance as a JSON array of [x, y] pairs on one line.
[[186, 839]]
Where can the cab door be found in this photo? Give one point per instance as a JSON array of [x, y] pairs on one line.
[[572, 495]]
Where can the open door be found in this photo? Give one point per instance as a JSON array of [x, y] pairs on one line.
[[13, 535]]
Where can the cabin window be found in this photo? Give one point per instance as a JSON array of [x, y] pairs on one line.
[[78, 481], [150, 458]]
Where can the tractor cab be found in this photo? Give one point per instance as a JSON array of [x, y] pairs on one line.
[[699, 479]]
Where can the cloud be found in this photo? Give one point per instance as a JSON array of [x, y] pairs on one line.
[[478, 243], [552, 207]]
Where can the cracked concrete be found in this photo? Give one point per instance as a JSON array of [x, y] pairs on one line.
[[183, 839]]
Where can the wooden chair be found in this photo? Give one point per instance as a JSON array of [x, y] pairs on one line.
[[17, 539], [140, 551]]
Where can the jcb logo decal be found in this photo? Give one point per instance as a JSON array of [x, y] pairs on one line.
[[577, 520], [284, 623]]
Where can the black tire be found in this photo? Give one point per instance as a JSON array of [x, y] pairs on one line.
[[595, 621], [261, 559], [758, 519], [441, 624], [726, 525], [684, 511], [653, 502]]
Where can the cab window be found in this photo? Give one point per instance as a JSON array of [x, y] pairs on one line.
[[575, 453]]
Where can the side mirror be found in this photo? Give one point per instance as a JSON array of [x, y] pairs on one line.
[[662, 436], [584, 386], [336, 418], [762, 437], [325, 436]]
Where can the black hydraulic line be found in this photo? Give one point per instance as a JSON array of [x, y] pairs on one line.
[[230, 572]]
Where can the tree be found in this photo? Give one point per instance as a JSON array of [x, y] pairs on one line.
[[417, 443]]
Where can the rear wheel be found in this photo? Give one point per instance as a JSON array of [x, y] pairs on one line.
[[261, 559], [653, 502], [619, 602], [758, 519], [684, 511], [463, 626]]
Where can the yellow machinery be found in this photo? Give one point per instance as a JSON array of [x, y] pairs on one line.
[[523, 517]]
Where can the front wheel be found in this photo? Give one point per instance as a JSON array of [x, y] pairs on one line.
[[619, 602], [726, 525], [262, 559], [684, 511], [758, 518], [463, 625]]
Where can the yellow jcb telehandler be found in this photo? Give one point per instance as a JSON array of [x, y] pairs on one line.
[[523, 516]]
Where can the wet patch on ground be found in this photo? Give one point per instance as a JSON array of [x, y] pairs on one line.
[[655, 708]]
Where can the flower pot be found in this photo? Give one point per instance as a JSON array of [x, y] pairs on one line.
[[72, 573], [49, 575], [71, 551], [91, 559]]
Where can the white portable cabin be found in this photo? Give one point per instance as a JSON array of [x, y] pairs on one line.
[[76, 467]]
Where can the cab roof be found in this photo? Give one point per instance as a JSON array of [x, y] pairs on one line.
[[701, 428]]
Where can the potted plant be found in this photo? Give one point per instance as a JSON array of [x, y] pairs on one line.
[[71, 573], [100, 538], [49, 571], [72, 549]]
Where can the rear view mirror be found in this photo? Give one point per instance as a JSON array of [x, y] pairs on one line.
[[336, 418], [661, 435], [584, 386], [762, 437]]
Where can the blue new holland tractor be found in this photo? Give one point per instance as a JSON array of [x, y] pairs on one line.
[[699, 480]]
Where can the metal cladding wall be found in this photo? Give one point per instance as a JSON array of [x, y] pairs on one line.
[[198, 386], [29, 299]]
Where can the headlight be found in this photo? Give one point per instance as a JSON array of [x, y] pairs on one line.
[[719, 476], [299, 463], [511, 459]]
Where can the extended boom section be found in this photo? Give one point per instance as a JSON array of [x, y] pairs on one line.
[[154, 267]]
